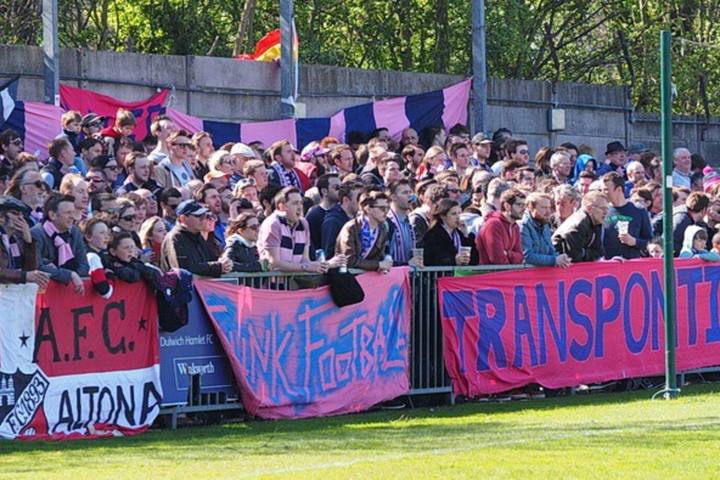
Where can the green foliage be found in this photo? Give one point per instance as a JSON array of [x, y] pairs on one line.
[[596, 41]]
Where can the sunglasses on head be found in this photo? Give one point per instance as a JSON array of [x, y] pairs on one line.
[[38, 184]]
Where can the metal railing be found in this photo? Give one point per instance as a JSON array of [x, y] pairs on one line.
[[427, 369]]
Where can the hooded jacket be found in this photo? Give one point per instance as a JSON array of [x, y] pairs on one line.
[[688, 251], [498, 242], [581, 164]]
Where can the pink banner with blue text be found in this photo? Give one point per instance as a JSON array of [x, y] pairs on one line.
[[590, 323], [294, 354]]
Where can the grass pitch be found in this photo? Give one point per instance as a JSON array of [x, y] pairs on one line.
[[597, 436]]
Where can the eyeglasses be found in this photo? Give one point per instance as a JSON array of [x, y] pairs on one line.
[[95, 179], [129, 218], [114, 168], [17, 142]]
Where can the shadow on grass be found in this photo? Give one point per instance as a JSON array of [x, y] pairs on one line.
[[381, 430]]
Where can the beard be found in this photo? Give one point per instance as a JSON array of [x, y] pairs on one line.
[[542, 220]]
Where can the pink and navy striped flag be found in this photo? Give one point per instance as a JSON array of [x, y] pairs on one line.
[[440, 108], [38, 123]]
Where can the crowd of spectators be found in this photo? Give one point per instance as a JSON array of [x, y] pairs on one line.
[[104, 202]]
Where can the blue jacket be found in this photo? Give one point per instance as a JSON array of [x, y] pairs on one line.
[[536, 242]]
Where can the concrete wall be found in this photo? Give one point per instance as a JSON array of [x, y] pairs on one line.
[[225, 89]]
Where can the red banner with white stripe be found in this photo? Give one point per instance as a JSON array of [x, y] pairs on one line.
[[78, 365]]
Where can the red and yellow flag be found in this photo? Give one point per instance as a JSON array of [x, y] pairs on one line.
[[268, 48]]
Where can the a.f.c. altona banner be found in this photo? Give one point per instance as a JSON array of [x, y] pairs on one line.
[[78, 365], [295, 354], [592, 322]]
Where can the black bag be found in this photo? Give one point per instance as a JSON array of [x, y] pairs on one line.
[[174, 293], [344, 288]]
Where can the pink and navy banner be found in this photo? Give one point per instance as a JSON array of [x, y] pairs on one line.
[[38, 123], [440, 108], [294, 354], [590, 323], [78, 365]]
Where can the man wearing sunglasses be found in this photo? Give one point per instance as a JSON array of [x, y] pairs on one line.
[[176, 171], [184, 247], [482, 147], [28, 186], [10, 147], [91, 125]]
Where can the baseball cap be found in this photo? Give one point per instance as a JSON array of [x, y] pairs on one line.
[[480, 137], [191, 207], [215, 174], [242, 149], [91, 118], [12, 204]]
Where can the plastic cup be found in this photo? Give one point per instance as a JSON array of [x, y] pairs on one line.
[[418, 252], [622, 227]]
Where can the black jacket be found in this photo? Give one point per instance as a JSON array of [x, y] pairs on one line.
[[333, 222], [439, 249], [132, 271], [579, 238], [681, 219], [244, 258], [183, 249]]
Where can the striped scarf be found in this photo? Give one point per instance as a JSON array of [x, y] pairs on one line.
[[287, 178], [367, 237], [64, 250], [403, 239], [12, 248]]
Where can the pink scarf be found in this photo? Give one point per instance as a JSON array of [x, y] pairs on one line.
[[65, 253]]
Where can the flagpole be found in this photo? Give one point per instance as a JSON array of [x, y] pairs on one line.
[[51, 52], [479, 98], [288, 73], [671, 389]]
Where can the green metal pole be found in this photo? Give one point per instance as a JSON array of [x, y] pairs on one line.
[[671, 390]]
